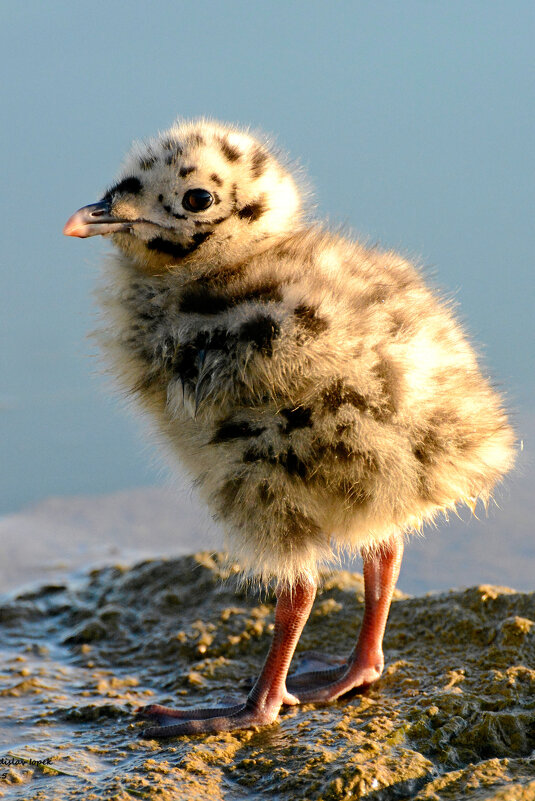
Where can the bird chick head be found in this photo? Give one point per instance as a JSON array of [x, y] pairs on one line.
[[199, 193]]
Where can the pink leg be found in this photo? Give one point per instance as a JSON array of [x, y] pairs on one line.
[[366, 662], [268, 694]]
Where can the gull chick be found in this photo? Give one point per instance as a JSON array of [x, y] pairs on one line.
[[320, 394]]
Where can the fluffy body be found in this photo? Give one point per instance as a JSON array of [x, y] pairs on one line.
[[321, 396]]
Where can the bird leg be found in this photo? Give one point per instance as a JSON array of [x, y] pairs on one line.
[[366, 662], [269, 692]]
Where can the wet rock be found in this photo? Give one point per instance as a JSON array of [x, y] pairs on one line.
[[453, 716]]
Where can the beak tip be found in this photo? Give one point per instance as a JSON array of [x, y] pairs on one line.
[[70, 229], [75, 225]]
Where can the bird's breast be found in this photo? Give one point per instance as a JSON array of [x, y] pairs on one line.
[[200, 360]]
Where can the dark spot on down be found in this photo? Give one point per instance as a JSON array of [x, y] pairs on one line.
[[162, 245], [175, 249], [289, 461], [227, 495], [258, 162], [340, 451], [186, 171], [229, 430], [131, 186], [201, 237], [388, 380], [297, 418], [230, 152], [381, 407], [441, 435], [268, 291], [253, 211], [216, 179], [170, 211], [172, 144], [147, 163], [224, 276], [301, 529], [174, 152], [151, 315], [293, 465], [217, 339], [260, 331], [398, 323], [377, 294], [307, 318], [199, 298], [339, 393], [426, 450], [185, 362]]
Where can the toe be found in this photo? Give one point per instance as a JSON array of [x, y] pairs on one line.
[[167, 716], [244, 718]]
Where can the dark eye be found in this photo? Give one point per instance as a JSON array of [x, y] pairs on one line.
[[197, 200]]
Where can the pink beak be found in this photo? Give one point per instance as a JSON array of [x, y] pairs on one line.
[[95, 219]]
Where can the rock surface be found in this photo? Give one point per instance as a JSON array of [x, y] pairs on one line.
[[453, 716]]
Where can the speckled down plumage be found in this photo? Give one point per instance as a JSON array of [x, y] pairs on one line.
[[321, 396]]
